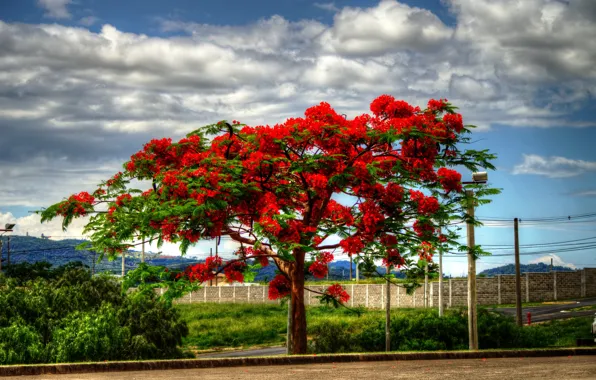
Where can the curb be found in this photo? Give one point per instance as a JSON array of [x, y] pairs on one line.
[[61, 369]]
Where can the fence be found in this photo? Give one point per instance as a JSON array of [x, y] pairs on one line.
[[536, 287]]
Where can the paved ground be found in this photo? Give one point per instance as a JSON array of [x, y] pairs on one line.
[[269, 351], [568, 368], [550, 312]]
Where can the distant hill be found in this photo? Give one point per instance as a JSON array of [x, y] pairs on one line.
[[59, 252], [524, 268]]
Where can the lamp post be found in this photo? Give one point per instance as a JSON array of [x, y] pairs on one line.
[[7, 228], [480, 177]]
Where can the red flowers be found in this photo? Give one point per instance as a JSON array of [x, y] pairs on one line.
[[338, 292], [450, 180], [279, 287], [122, 199], [319, 267], [426, 205], [77, 204], [234, 273]]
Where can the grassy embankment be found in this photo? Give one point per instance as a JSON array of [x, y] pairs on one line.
[[221, 326]]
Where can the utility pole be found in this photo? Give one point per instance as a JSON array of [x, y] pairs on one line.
[[93, 265], [357, 273], [351, 267], [216, 256], [472, 317], [518, 297], [8, 251], [1, 241], [440, 280], [210, 255], [143, 251], [426, 290], [388, 312], [551, 264]]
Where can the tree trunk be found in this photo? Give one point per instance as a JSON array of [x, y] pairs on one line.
[[299, 343]]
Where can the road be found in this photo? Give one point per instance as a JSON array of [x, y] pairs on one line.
[[269, 351], [550, 312], [568, 368]]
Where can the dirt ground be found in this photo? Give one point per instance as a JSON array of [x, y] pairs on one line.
[[567, 368]]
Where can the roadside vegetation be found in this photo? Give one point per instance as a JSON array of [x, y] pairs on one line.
[[220, 326], [66, 315]]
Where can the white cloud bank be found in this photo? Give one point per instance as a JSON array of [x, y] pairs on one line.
[[75, 100], [557, 261], [553, 167]]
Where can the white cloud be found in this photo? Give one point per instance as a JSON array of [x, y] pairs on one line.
[[88, 20], [586, 193], [553, 167], [557, 261], [331, 7], [87, 101], [55, 8]]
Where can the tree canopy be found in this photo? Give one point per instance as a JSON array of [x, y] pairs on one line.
[[378, 186]]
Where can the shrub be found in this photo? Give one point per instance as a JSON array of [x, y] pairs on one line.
[[68, 315]]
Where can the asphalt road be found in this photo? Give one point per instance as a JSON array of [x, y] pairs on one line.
[[568, 368], [269, 351], [550, 312]]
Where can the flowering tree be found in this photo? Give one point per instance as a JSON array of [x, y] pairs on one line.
[[377, 187]]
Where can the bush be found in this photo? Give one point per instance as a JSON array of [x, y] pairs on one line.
[[65, 314], [423, 330]]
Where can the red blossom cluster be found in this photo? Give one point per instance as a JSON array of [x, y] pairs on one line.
[[234, 271], [203, 271], [424, 229], [338, 292], [426, 205], [426, 251], [450, 180], [279, 287], [319, 267], [122, 199], [76, 204]]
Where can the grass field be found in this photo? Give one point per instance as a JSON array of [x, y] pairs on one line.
[[220, 326]]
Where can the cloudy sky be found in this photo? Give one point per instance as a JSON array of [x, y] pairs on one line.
[[84, 83]]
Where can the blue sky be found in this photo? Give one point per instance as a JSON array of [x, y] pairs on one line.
[[83, 84]]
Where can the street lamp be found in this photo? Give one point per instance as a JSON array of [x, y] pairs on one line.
[[478, 177], [7, 228]]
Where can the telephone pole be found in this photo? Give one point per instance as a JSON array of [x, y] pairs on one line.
[[7, 251], [518, 301], [426, 289], [388, 313], [472, 316], [1, 255], [440, 280]]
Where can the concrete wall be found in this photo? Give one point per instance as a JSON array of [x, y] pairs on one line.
[[535, 287]]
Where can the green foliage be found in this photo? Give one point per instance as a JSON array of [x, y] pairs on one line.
[[65, 314], [423, 330]]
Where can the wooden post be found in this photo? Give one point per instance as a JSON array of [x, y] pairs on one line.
[[351, 260], [441, 303], [499, 298], [518, 296], [426, 290], [472, 317], [554, 285], [7, 251], [143, 251], [388, 313]]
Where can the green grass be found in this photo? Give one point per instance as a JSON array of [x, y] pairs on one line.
[[220, 326]]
